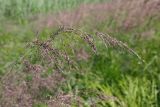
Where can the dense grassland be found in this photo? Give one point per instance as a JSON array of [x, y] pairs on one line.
[[20, 9], [111, 77]]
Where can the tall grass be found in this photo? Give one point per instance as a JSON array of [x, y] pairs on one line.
[[106, 79], [54, 56], [23, 8]]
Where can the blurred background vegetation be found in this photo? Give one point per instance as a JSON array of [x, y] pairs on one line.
[[120, 78]]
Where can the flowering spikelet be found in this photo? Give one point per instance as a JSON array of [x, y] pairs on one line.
[[84, 36], [53, 55], [107, 39], [113, 42]]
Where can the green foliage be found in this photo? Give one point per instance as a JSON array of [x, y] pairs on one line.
[[24, 8], [121, 78], [40, 105]]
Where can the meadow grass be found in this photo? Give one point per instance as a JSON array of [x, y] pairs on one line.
[[20, 9], [121, 79], [110, 78]]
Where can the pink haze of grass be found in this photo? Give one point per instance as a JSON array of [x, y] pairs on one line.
[[127, 13]]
